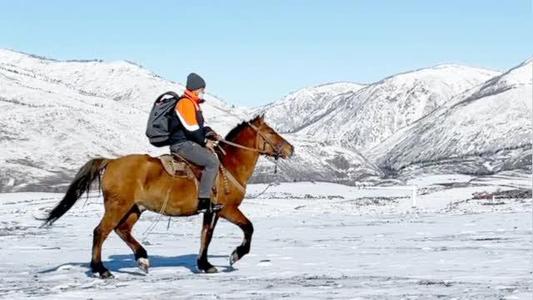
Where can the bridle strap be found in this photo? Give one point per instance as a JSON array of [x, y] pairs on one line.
[[265, 139], [227, 173], [242, 146]]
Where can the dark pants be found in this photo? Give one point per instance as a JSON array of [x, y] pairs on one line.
[[202, 157]]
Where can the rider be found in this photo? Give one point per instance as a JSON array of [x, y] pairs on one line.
[[194, 141]]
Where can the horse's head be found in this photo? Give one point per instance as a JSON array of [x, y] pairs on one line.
[[269, 142]]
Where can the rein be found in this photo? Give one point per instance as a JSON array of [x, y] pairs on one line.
[[242, 146], [276, 155], [276, 148]]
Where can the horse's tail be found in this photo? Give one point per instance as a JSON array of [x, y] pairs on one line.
[[81, 184]]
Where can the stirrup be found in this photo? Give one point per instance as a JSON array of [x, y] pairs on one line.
[[211, 207], [216, 207]]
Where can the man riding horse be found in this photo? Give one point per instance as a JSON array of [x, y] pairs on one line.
[[135, 183], [194, 141]]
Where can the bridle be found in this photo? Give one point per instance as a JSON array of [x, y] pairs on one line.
[[276, 147], [277, 153]]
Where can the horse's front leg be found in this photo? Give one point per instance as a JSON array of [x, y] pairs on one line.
[[235, 216], [209, 223]]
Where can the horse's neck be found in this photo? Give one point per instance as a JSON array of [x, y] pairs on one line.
[[241, 162]]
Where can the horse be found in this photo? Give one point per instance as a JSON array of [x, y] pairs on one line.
[[135, 183]]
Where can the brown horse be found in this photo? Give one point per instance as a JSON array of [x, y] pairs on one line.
[[134, 183]]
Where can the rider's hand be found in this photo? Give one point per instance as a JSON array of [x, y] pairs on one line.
[[211, 144], [214, 136], [218, 137]]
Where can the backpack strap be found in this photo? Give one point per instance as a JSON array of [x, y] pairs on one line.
[[171, 93]]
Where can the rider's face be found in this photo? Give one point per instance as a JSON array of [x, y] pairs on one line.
[[200, 93]]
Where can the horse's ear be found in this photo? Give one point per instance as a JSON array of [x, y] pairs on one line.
[[260, 118]]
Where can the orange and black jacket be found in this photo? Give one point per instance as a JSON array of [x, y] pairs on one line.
[[187, 122]]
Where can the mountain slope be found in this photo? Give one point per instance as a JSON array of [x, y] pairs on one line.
[[318, 161], [488, 131], [59, 114], [121, 81], [307, 105], [56, 115], [377, 111]]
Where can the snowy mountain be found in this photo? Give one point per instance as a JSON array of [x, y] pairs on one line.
[[484, 131], [356, 118], [318, 161], [58, 114], [306, 106], [375, 112]]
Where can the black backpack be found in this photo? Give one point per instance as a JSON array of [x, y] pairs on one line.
[[157, 130]]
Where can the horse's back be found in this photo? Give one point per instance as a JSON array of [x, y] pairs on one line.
[[142, 177], [130, 169]]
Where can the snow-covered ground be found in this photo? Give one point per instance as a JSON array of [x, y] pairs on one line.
[[311, 241]]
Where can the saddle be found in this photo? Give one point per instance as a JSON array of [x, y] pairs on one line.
[[177, 166]]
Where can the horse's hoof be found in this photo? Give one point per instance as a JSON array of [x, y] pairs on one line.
[[233, 258], [205, 266], [106, 275], [143, 264]]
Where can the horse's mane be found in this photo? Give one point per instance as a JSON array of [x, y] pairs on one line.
[[233, 133]]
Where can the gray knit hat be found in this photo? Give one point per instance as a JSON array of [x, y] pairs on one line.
[[194, 82]]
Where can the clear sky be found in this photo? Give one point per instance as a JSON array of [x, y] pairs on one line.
[[254, 52]]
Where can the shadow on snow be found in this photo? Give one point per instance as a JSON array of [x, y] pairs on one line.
[[116, 263]]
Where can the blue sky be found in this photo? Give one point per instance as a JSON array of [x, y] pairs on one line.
[[254, 52]]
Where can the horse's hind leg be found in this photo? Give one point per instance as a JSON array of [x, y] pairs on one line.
[[208, 226], [124, 231], [115, 210]]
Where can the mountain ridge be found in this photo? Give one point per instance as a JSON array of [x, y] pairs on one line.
[[42, 143]]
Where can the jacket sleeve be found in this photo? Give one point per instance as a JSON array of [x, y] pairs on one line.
[[187, 116], [209, 132]]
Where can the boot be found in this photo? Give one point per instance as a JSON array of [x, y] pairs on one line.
[[206, 206]]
